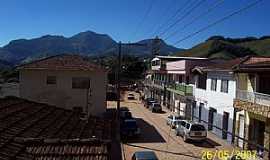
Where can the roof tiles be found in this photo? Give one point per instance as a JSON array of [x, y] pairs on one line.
[[63, 62], [25, 119]]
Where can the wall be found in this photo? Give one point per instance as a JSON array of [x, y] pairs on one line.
[[33, 87], [222, 102]]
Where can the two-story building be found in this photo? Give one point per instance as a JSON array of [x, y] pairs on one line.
[[252, 104], [214, 92], [169, 79], [66, 81]]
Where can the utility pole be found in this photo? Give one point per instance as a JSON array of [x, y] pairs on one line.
[[119, 68], [118, 79]]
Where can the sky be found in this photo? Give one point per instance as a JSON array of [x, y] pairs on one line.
[[131, 20]]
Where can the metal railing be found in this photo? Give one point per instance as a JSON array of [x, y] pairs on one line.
[[182, 89], [254, 97]]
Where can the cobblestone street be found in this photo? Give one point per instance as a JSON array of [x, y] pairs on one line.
[[158, 137]]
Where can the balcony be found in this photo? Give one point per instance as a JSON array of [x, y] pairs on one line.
[[182, 89], [154, 83], [254, 97]]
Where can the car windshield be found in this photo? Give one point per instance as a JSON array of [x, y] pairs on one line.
[[197, 128], [178, 118], [128, 114], [131, 124]]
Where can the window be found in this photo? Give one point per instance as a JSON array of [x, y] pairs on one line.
[[202, 81], [183, 123], [197, 127], [187, 126], [214, 84], [80, 83], [224, 86], [51, 79], [180, 78]]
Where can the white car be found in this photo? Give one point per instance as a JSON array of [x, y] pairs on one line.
[[131, 96], [173, 120], [191, 131]]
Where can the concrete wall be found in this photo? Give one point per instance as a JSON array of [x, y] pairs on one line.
[[33, 86], [222, 102]]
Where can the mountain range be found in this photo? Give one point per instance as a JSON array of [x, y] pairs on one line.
[[85, 43], [229, 48]]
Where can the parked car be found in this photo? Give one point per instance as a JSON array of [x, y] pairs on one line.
[[129, 128], [131, 96], [144, 155], [174, 120], [155, 107], [124, 108], [149, 102], [125, 115], [191, 131]]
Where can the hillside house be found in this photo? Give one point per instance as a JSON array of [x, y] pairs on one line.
[[66, 81]]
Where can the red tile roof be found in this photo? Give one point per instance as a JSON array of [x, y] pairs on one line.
[[253, 64], [22, 119], [218, 65], [63, 62]]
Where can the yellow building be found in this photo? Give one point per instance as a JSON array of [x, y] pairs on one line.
[[252, 104]]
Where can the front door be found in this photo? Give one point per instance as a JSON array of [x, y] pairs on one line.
[[211, 118], [241, 130], [225, 124]]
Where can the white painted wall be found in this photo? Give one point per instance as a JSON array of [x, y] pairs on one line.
[[222, 102], [33, 87]]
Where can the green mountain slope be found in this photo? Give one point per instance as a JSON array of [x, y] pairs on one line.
[[228, 48]]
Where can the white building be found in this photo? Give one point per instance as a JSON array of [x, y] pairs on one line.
[[66, 81], [214, 93]]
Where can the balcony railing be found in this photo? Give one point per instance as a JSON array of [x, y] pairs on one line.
[[181, 89], [154, 83], [254, 97]]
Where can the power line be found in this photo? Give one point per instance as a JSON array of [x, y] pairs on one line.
[[164, 13], [210, 9], [144, 17], [173, 16], [218, 21], [181, 18]]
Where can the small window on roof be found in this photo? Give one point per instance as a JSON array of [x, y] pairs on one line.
[[51, 80]]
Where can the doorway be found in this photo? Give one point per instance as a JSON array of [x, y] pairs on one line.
[[225, 124], [211, 118], [241, 131]]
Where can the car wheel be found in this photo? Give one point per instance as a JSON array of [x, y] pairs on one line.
[[185, 138]]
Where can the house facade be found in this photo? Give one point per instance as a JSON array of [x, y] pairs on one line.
[[169, 82], [252, 104], [214, 93], [65, 81]]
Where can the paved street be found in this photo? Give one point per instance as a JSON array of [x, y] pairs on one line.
[[158, 137]]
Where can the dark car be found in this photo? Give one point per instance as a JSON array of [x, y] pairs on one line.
[[124, 108], [129, 128], [155, 107], [149, 102], [125, 115], [144, 155]]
